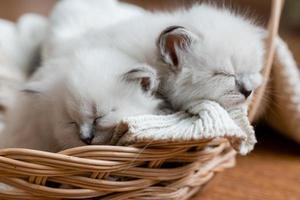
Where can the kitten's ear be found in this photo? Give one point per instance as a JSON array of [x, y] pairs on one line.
[[145, 76], [173, 41]]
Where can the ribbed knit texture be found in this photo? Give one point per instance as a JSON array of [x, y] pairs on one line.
[[212, 121]]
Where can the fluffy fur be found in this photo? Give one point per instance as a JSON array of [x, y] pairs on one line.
[[71, 18], [80, 98], [80, 93], [211, 53], [21, 42], [219, 55], [19, 46]]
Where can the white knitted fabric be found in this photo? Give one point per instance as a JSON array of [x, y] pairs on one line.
[[212, 121], [284, 101]]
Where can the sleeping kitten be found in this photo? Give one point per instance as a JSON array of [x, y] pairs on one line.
[[80, 94], [79, 99], [206, 53], [200, 53]]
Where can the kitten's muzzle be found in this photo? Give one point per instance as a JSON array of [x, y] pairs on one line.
[[88, 136], [87, 140], [244, 87]]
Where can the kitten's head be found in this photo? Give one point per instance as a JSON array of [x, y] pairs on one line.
[[96, 92], [223, 65]]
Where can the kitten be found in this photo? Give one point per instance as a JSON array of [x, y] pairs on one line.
[[80, 94], [19, 46], [70, 18], [201, 53], [20, 42], [79, 99], [207, 53]]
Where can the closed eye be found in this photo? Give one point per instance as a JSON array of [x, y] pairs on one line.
[[73, 124], [223, 74], [97, 118]]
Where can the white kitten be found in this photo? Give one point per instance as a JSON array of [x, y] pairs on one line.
[[78, 98], [19, 46], [80, 94], [70, 18], [200, 53], [20, 42]]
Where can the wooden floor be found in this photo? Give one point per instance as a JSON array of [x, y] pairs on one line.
[[271, 172]]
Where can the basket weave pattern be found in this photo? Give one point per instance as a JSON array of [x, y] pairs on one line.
[[93, 170], [144, 171]]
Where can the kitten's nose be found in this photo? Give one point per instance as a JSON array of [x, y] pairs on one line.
[[245, 92], [88, 140], [87, 137]]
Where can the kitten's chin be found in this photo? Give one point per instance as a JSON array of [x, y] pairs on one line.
[[103, 137], [231, 101], [71, 144], [233, 104], [70, 141]]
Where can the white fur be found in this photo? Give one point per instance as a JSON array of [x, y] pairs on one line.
[[70, 96], [70, 18], [78, 85], [20, 42], [227, 51], [19, 46]]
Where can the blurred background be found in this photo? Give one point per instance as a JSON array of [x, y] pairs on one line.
[[272, 171]]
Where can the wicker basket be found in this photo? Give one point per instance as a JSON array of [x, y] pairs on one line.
[[156, 171]]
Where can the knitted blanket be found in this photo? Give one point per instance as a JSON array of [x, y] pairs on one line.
[[212, 121]]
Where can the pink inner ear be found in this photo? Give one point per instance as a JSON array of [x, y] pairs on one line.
[[145, 83], [171, 42]]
